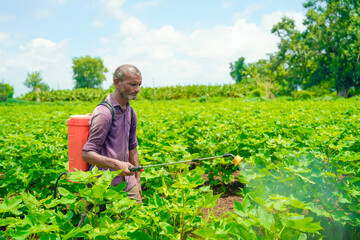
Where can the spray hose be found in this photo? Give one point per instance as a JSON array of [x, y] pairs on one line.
[[236, 161]]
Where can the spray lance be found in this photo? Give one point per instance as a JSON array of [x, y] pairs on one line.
[[236, 160]]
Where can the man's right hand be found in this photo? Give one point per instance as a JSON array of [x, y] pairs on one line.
[[125, 167], [102, 161]]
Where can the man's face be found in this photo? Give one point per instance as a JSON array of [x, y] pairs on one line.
[[130, 86]]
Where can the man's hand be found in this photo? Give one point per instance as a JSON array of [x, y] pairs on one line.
[[102, 161], [125, 167]]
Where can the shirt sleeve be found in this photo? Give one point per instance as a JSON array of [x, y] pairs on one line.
[[133, 143], [99, 128]]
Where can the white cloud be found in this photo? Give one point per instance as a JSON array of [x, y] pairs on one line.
[[98, 23], [41, 13], [143, 5], [114, 8], [132, 27], [226, 42], [42, 55], [269, 20], [172, 57]]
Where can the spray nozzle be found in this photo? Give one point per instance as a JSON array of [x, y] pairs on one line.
[[237, 160]]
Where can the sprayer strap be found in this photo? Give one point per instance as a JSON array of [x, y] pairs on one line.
[[112, 109]]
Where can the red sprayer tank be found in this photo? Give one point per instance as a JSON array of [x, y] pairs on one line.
[[78, 133]]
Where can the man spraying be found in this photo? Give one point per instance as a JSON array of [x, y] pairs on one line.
[[112, 142]]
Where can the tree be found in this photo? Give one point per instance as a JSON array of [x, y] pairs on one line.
[[328, 50], [35, 82], [293, 55], [335, 31], [264, 75], [6, 91], [88, 72], [238, 70]]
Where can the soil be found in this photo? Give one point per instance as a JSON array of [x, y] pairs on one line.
[[231, 194]]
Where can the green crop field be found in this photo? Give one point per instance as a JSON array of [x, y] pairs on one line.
[[301, 171]]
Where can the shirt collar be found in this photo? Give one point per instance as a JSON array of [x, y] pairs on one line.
[[113, 102]]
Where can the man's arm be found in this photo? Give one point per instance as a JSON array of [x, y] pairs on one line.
[[101, 161], [134, 160]]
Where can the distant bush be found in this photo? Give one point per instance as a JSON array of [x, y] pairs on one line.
[[322, 89], [240, 90], [80, 94], [256, 93], [304, 94], [6, 92], [158, 93], [354, 92]]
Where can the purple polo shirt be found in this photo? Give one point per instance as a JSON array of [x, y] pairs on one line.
[[113, 139]]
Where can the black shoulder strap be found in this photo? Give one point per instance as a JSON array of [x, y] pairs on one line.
[[110, 107], [132, 112]]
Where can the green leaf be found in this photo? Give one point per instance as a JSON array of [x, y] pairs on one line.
[[11, 205], [210, 200], [63, 192], [8, 221], [49, 236], [77, 232], [266, 219], [297, 203], [207, 233], [138, 235], [304, 224], [159, 202], [167, 229]]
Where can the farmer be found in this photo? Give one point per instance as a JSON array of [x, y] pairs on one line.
[[112, 144]]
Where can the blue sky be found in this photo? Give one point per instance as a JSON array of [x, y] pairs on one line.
[[171, 42]]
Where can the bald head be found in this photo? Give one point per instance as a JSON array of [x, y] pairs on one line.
[[125, 70]]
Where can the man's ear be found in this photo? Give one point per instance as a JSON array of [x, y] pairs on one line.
[[116, 81]]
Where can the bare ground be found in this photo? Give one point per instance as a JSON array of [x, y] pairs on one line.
[[231, 194]]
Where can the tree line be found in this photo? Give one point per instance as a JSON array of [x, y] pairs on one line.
[[323, 57]]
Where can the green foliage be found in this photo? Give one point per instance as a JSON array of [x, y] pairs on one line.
[[174, 214], [88, 72], [250, 87], [238, 70], [301, 169], [35, 81], [160, 93], [334, 33], [327, 50], [302, 94], [80, 94], [6, 92], [325, 54]]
